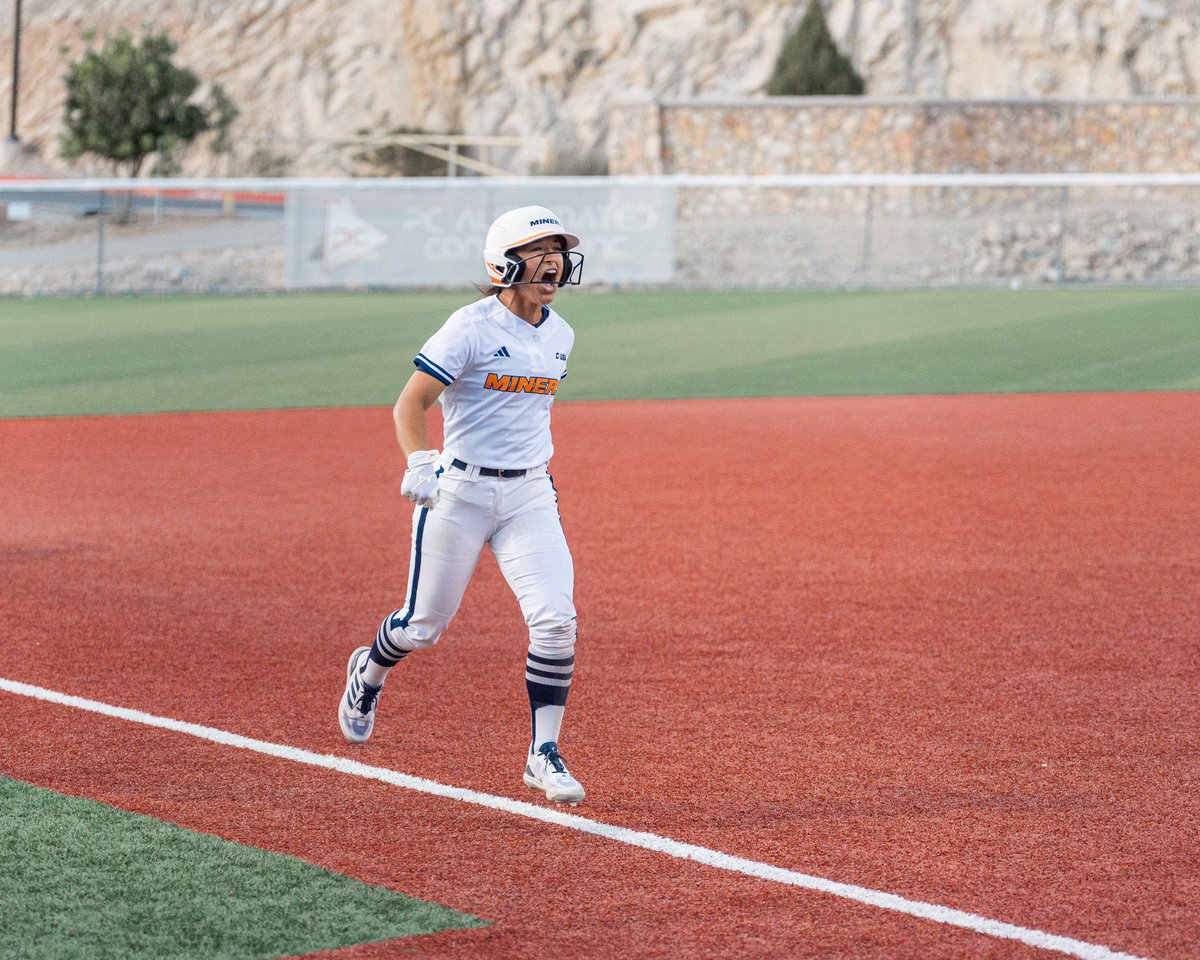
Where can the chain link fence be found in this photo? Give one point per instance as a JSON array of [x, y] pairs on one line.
[[174, 235]]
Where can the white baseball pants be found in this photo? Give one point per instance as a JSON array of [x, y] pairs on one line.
[[518, 517]]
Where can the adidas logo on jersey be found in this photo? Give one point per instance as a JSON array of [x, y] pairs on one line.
[[502, 352]]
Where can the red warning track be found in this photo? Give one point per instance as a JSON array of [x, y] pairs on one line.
[[943, 647]]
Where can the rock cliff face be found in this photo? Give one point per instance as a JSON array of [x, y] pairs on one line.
[[308, 73]]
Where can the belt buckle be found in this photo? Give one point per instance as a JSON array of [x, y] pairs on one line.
[[505, 474]]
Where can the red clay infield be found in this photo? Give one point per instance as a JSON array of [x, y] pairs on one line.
[[944, 647]]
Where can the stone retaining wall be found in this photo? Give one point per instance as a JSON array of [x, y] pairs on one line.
[[788, 135]]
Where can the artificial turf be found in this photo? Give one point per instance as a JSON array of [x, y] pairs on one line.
[[82, 879], [138, 355]]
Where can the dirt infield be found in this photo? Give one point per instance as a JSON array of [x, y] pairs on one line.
[[944, 647]]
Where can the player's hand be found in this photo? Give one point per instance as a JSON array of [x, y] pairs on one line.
[[420, 483]]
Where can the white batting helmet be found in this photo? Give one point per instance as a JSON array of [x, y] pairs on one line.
[[515, 229]]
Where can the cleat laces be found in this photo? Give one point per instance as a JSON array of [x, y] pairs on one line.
[[366, 702], [554, 760], [363, 699]]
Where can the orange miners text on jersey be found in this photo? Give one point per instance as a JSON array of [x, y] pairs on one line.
[[511, 384], [501, 378]]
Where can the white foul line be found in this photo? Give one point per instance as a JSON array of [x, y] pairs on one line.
[[634, 838]]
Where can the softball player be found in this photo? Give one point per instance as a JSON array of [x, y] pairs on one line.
[[495, 366]]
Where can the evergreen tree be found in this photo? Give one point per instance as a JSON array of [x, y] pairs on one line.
[[810, 63], [129, 101]]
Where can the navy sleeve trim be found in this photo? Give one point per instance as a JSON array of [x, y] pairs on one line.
[[422, 362]]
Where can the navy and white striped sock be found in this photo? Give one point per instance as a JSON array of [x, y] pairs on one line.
[[548, 680], [385, 652]]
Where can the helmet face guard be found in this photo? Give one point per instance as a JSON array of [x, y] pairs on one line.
[[518, 228], [571, 272]]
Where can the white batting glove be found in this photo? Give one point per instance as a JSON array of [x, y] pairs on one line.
[[420, 483]]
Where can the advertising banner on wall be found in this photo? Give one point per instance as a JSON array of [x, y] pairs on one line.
[[430, 234]]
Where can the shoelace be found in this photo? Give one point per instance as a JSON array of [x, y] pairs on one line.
[[554, 759], [367, 701]]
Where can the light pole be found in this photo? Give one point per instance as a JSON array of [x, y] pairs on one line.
[[16, 75]]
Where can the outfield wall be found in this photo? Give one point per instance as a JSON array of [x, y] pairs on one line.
[[787, 232]]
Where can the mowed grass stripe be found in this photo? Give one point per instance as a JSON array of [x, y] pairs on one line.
[[134, 355], [977, 342], [81, 879]]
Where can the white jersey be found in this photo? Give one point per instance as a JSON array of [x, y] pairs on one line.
[[501, 375]]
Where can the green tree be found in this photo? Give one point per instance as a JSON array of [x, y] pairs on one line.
[[129, 101], [810, 63]]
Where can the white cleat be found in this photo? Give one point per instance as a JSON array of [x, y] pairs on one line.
[[356, 712], [547, 772]]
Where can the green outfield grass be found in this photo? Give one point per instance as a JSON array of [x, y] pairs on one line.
[[81, 879], [128, 355]]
